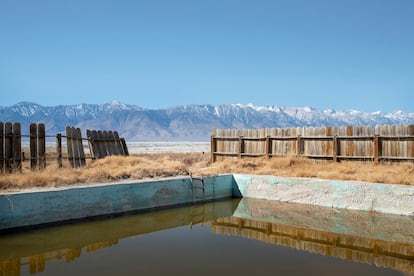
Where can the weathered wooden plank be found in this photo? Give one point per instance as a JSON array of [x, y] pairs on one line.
[[81, 151], [101, 144], [59, 150], [69, 142], [124, 146], [112, 143], [77, 147], [33, 146], [91, 143], [17, 147], [410, 146], [95, 143], [41, 145], [118, 145], [1, 147], [8, 147], [108, 143]]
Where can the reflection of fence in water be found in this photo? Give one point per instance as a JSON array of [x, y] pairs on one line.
[[399, 256], [37, 263]]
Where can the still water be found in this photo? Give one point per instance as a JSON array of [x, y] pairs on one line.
[[231, 237]]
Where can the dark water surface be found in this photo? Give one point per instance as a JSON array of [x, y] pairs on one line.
[[229, 237]]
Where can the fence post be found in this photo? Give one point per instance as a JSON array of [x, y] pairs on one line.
[[41, 146], [377, 148], [213, 148], [59, 150], [241, 147], [268, 147], [335, 148], [33, 146], [1, 147], [299, 145], [17, 147]]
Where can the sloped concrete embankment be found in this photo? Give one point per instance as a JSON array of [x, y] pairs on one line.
[[353, 195], [21, 209]]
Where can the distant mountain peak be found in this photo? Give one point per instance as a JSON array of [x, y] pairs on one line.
[[187, 122]]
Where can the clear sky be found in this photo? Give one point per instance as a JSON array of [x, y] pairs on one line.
[[341, 54]]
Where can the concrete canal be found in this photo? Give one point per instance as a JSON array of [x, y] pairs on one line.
[[241, 224], [228, 237]]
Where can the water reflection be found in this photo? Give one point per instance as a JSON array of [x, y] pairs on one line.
[[37, 247], [138, 241], [372, 238]]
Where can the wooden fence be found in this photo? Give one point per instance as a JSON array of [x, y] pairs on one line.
[[379, 143], [104, 143], [101, 144], [11, 155]]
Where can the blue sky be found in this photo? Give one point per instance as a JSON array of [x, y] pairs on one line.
[[348, 54]]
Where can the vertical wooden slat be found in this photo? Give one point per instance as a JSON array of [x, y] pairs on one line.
[[410, 144], [124, 146], [41, 146], [268, 147], [241, 147], [299, 145], [95, 144], [394, 144], [33, 146], [117, 144], [1, 147], [113, 143], [213, 145], [69, 142], [101, 144], [107, 144], [90, 143], [335, 148], [17, 147], [376, 148], [82, 161], [59, 150], [8, 147], [75, 143]]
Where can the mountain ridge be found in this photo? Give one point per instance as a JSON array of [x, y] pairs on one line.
[[187, 122]]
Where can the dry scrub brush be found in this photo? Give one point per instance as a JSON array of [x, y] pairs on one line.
[[159, 165], [393, 173], [103, 170]]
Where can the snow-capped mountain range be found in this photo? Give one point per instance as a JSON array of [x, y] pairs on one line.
[[187, 122]]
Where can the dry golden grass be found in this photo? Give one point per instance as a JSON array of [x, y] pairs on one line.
[[173, 164]]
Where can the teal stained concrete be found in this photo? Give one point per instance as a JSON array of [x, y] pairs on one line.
[[353, 195], [39, 207], [32, 208], [390, 227]]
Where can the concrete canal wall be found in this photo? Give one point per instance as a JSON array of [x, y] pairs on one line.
[[353, 195], [29, 208], [53, 205]]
